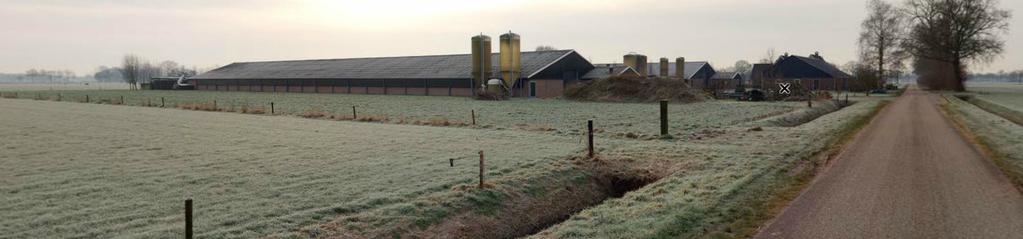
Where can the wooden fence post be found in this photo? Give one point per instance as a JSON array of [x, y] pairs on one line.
[[481, 169], [664, 117], [162, 103], [354, 115], [589, 136], [473, 117], [86, 98], [188, 218], [271, 107]]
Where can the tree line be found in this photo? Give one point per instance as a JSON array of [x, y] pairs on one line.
[[939, 38], [135, 70], [39, 76]]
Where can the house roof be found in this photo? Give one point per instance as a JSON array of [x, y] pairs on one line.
[[607, 70], [457, 66]]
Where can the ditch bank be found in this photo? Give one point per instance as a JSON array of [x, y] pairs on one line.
[[802, 116], [526, 213]]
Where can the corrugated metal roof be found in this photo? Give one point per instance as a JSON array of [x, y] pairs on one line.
[[404, 67]]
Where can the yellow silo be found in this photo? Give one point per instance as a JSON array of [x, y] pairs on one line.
[[511, 58], [482, 64], [664, 67], [637, 62]]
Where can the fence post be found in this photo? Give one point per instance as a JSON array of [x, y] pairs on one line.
[[451, 161], [664, 117], [214, 105], [86, 98], [354, 116], [589, 136], [122, 99], [162, 103], [188, 218], [271, 107], [481, 169], [473, 117], [809, 100]]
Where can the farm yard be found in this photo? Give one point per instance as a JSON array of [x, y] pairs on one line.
[[98, 170]]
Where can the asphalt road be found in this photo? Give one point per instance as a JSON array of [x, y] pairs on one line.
[[908, 175]]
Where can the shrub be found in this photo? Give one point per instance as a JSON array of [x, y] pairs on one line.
[[621, 89]]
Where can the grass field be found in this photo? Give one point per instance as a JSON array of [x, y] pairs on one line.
[[990, 115], [102, 171], [1008, 95], [554, 116]]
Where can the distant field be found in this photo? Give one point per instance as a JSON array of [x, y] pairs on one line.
[[101, 171], [62, 86], [556, 116], [1009, 95]]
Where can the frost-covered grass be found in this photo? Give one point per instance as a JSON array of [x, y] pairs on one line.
[[554, 116], [1008, 95], [999, 134], [708, 179], [100, 171], [7, 87], [97, 171]]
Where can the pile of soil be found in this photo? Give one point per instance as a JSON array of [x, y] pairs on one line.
[[620, 89]]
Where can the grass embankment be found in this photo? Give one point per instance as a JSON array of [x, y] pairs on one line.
[[712, 184], [561, 117], [997, 137]]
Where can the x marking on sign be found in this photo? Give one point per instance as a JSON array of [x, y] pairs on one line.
[[784, 88]]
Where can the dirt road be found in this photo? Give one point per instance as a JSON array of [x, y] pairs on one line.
[[908, 175]]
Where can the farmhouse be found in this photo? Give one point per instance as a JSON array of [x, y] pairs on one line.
[[809, 73], [543, 74], [698, 73]]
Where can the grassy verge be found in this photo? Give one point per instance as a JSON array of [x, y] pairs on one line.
[[993, 138], [766, 198]]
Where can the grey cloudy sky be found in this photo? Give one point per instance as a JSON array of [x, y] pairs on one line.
[[81, 35]]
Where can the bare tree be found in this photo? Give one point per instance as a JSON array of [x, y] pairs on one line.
[[130, 68], [770, 56], [742, 66], [955, 32], [881, 38]]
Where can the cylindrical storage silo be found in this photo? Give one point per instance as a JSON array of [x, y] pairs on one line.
[[637, 62], [482, 64], [664, 67], [511, 58], [680, 67]]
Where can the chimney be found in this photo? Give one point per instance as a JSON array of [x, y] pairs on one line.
[[680, 67]]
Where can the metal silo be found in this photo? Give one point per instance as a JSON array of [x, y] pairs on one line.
[[482, 64], [664, 67], [637, 62], [680, 67], [511, 58]]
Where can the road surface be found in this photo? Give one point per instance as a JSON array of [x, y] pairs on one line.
[[908, 175]]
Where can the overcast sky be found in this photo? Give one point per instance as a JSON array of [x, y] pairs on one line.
[[81, 35]]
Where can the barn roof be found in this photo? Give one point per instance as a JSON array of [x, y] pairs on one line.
[[821, 66], [724, 75], [692, 67], [456, 66]]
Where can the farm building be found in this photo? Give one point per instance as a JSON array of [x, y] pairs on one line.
[[726, 81], [699, 73], [809, 73], [544, 74]]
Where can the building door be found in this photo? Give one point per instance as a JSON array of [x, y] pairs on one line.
[[532, 89]]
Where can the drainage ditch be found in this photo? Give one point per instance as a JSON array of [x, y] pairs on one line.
[[525, 215]]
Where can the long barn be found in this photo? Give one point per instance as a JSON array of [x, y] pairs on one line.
[[544, 74]]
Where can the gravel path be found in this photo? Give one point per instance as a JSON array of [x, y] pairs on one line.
[[910, 174]]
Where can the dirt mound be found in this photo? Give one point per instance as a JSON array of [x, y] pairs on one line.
[[619, 89]]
